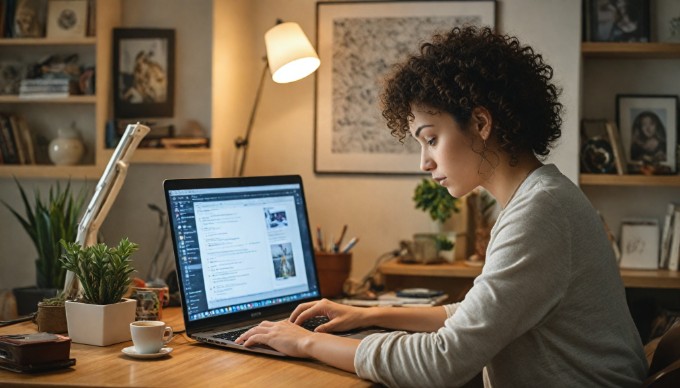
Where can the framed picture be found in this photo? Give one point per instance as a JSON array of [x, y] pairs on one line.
[[666, 21], [143, 72], [617, 20], [648, 125], [358, 42], [67, 19], [29, 18]]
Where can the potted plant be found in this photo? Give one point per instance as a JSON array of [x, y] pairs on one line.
[[101, 316], [435, 199], [51, 317], [47, 222]]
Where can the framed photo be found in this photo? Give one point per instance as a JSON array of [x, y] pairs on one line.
[[666, 21], [640, 243], [29, 18], [649, 125], [358, 42], [617, 20], [67, 19], [143, 72]]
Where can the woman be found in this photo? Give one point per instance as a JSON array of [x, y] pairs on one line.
[[549, 308]]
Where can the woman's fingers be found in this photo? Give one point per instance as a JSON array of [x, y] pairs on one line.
[[300, 309]]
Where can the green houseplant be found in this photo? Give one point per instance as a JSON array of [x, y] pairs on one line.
[[435, 200], [47, 222], [101, 316]]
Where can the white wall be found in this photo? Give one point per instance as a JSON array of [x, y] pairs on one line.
[[378, 209]]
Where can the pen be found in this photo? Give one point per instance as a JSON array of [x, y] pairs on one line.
[[350, 244], [339, 240]]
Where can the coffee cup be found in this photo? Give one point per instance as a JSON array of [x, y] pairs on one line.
[[150, 336]]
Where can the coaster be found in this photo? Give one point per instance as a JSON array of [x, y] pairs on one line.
[[130, 351]]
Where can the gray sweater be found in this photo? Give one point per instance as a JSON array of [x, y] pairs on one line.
[[548, 310]]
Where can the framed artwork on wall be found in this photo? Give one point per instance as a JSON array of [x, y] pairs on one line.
[[143, 72], [67, 19], [649, 125], [617, 20], [358, 43]]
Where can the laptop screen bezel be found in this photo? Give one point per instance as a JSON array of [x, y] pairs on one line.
[[242, 317]]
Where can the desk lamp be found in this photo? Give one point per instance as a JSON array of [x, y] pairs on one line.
[[104, 195], [291, 57]]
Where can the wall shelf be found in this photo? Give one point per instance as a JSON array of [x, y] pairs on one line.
[[60, 100], [629, 180], [630, 50], [90, 40], [50, 171], [168, 156]]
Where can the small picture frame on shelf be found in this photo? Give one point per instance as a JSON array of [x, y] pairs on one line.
[[29, 19], [666, 21], [144, 72], [597, 153], [67, 19], [617, 20], [648, 125], [640, 243]]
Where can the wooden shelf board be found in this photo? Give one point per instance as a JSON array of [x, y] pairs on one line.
[[630, 50], [90, 40], [628, 180], [59, 100], [455, 269], [168, 156], [631, 278], [50, 171], [650, 278]]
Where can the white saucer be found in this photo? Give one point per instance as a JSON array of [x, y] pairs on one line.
[[130, 351]]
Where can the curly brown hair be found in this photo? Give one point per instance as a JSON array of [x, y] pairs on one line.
[[474, 67]]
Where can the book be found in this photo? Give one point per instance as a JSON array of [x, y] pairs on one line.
[[674, 252], [7, 143], [18, 139], [617, 147], [27, 140], [666, 234]]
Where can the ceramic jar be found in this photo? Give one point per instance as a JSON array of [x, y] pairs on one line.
[[67, 148]]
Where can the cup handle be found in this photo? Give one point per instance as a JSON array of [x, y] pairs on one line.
[[167, 335]]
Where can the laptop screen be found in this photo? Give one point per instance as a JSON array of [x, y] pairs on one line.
[[241, 244]]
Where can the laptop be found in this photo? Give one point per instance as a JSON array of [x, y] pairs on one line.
[[243, 254]]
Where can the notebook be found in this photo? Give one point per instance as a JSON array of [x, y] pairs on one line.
[[243, 253]]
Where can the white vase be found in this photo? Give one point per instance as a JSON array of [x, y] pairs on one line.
[[100, 325], [66, 149]]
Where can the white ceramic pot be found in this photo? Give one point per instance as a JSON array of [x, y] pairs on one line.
[[101, 325], [66, 149]]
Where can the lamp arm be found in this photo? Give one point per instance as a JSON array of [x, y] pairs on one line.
[[105, 194], [242, 142]]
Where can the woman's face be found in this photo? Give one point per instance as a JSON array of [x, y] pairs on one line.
[[446, 151], [648, 126]]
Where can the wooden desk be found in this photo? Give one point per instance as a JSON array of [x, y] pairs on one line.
[[456, 278], [189, 365]]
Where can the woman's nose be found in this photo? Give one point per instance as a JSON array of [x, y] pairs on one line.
[[426, 163]]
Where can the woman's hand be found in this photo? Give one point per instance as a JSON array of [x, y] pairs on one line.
[[284, 336], [342, 317]]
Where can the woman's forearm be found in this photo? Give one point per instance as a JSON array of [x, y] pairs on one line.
[[333, 350], [420, 319]]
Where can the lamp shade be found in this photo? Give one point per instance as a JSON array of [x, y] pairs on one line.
[[290, 54]]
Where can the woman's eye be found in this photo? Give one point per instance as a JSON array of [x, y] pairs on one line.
[[431, 141]]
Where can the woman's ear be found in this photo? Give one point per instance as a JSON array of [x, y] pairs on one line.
[[482, 122]]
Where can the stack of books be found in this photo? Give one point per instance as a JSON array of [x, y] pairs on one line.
[[670, 239], [44, 88], [17, 145]]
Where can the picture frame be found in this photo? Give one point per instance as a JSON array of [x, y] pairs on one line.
[[67, 18], [28, 19], [143, 72], [648, 125], [617, 20], [357, 43], [640, 243], [666, 21]]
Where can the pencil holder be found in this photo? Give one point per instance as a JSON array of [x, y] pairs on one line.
[[333, 270]]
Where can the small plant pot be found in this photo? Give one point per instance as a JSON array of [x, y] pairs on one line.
[[51, 319], [100, 325]]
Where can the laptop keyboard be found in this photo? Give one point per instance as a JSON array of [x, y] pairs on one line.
[[309, 324]]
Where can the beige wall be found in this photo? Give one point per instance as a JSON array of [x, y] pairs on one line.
[[378, 209]]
